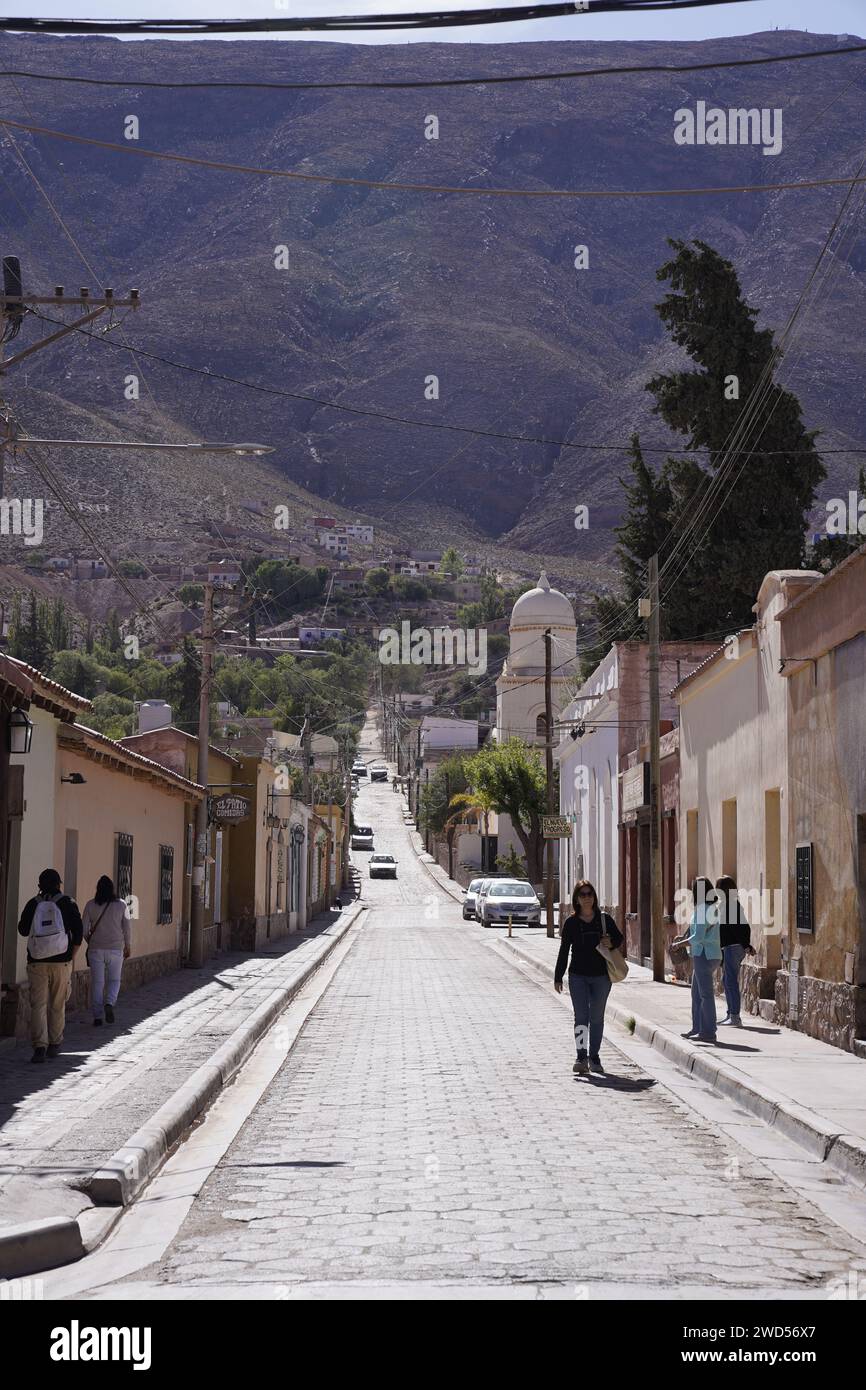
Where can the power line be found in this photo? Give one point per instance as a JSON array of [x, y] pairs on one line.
[[261, 171], [365, 411], [479, 81], [439, 19]]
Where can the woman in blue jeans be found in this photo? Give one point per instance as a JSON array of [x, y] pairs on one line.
[[588, 980], [705, 949]]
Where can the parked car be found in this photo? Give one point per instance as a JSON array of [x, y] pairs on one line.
[[510, 898], [362, 837], [470, 896], [359, 769], [383, 866]]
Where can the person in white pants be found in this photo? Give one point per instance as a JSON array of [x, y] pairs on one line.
[[108, 933]]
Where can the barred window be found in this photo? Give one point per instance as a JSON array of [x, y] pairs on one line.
[[123, 864], [166, 883]]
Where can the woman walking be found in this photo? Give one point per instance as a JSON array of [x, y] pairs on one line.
[[108, 933], [736, 942], [588, 979], [705, 949]]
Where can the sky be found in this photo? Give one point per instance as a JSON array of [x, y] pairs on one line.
[[834, 17]]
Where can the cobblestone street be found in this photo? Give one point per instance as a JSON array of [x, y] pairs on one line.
[[427, 1126]]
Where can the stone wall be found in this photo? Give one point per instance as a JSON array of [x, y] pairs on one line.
[[136, 971], [826, 1009]]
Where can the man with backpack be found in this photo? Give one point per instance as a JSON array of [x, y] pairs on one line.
[[52, 924]]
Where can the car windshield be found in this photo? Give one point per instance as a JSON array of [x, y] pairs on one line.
[[475, 885], [363, 830], [382, 859], [511, 890]]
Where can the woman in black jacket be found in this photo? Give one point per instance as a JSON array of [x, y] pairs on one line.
[[736, 940], [588, 980]]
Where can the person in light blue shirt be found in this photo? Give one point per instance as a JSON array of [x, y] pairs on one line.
[[705, 949]]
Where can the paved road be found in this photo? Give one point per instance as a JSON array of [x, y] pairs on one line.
[[427, 1126]]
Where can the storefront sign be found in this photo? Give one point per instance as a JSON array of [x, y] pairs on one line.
[[230, 808], [555, 827], [635, 788]]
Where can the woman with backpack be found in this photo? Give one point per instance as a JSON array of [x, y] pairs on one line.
[[588, 977], [108, 933]]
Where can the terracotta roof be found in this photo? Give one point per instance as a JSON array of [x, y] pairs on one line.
[[48, 693], [78, 738], [166, 728], [712, 658]]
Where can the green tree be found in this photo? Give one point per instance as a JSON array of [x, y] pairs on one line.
[[112, 635], [376, 581], [191, 593], [511, 864], [184, 685], [451, 563], [511, 778]]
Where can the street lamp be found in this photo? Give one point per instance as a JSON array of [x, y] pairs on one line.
[[20, 732]]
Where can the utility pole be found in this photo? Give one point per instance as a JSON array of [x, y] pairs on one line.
[[448, 829], [200, 865], [657, 897], [548, 765], [306, 741], [418, 777]]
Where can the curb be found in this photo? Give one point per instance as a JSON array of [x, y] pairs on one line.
[[36, 1245], [430, 863], [46, 1244], [846, 1153]]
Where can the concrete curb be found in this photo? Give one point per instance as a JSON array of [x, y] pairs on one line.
[[430, 864], [846, 1153], [46, 1244], [36, 1245], [127, 1171]]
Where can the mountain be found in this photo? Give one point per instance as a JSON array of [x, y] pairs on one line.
[[385, 289]]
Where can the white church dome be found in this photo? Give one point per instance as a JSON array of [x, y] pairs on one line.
[[540, 608]]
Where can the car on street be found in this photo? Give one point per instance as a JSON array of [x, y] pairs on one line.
[[378, 772], [362, 837], [483, 889], [510, 898], [470, 896], [359, 769], [383, 866]]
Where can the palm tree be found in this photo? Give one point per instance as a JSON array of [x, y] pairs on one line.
[[468, 807]]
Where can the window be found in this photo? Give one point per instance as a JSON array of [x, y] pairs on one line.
[[123, 864], [166, 884], [541, 726], [190, 848]]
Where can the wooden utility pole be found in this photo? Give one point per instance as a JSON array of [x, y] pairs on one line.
[[306, 744], [200, 864], [548, 765], [657, 896]]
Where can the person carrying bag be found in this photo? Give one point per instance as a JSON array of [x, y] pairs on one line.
[[593, 939], [108, 932]]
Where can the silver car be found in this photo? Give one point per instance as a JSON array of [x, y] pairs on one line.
[[510, 898], [469, 899]]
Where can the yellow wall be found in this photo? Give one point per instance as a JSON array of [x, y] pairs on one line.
[[41, 784], [114, 801]]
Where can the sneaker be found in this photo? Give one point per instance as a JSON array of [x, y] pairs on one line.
[[730, 1022], [97, 1023], [109, 1013], [595, 1065], [38, 1054], [692, 1033], [581, 1067], [705, 1037], [54, 1049]]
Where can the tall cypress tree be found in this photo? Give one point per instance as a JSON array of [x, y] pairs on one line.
[[758, 522], [757, 519]]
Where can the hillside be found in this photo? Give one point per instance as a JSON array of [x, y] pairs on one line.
[[384, 289]]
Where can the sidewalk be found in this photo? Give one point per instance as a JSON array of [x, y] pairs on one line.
[[64, 1121], [810, 1091]]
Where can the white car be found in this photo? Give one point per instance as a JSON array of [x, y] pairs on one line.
[[359, 769], [383, 866], [378, 772], [362, 837], [510, 898], [469, 900]]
